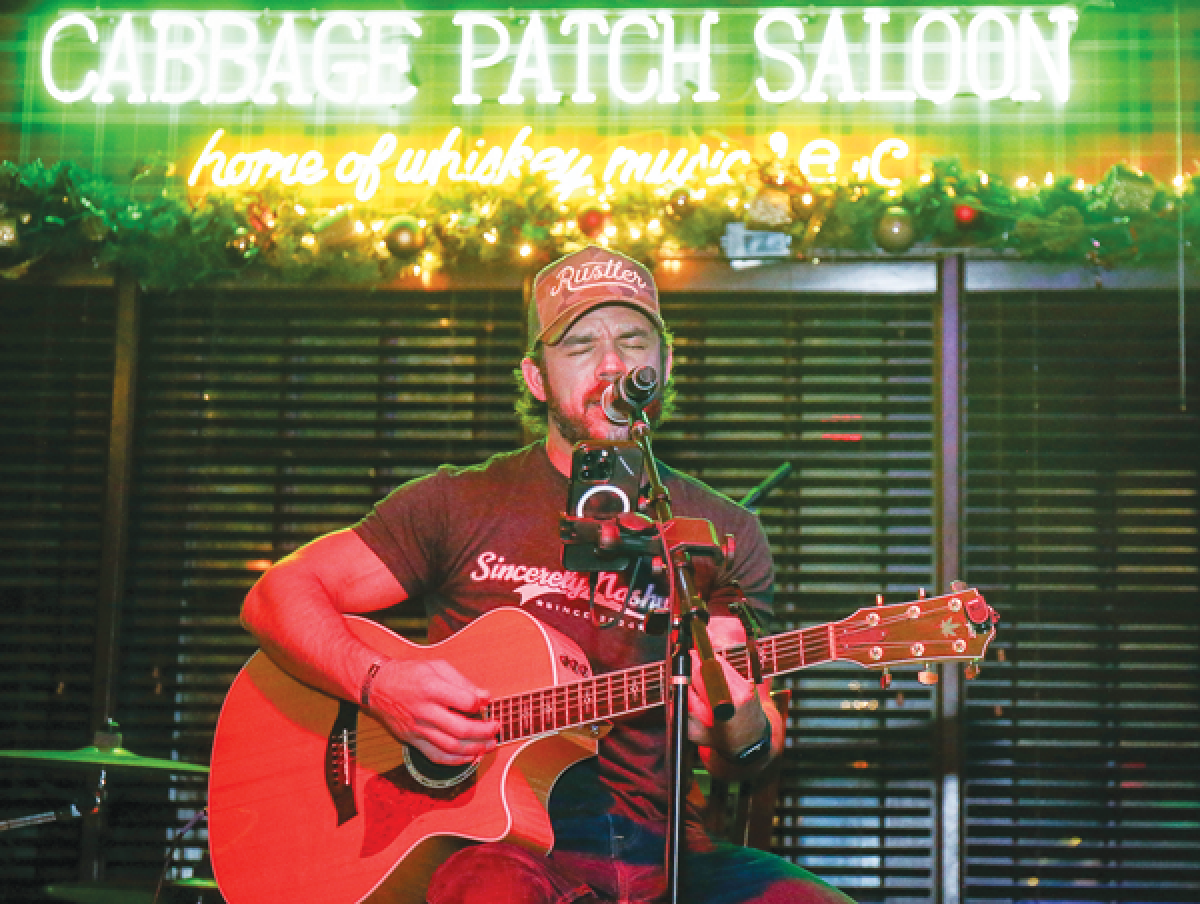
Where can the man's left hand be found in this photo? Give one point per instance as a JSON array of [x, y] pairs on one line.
[[749, 719]]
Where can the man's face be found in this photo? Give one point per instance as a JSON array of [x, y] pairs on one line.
[[599, 348]]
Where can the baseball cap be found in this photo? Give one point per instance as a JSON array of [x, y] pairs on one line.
[[586, 279]]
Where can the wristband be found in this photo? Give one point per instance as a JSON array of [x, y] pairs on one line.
[[364, 695], [759, 750]]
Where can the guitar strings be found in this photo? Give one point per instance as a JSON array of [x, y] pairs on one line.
[[551, 709]]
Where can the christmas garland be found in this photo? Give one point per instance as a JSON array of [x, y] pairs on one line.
[[50, 216]]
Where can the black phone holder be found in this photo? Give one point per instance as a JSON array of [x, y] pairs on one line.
[[630, 540]]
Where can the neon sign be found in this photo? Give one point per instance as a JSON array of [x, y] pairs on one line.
[[569, 169], [342, 58]]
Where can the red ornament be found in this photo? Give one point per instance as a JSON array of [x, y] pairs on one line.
[[591, 221], [966, 215]]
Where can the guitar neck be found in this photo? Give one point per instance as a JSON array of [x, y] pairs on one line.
[[639, 688]]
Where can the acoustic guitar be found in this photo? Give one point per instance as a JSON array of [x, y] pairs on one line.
[[311, 800]]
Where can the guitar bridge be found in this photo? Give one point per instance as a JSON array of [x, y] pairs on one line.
[[341, 762]]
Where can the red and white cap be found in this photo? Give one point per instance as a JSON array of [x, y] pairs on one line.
[[587, 279]]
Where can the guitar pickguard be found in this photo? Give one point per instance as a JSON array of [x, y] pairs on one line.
[[393, 800]]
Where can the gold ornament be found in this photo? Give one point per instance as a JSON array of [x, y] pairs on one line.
[[1131, 191], [339, 229], [94, 226], [895, 231], [404, 236], [771, 207]]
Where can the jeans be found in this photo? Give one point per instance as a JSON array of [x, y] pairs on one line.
[[615, 860]]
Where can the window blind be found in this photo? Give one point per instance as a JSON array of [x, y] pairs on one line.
[[1082, 525], [840, 386], [56, 364]]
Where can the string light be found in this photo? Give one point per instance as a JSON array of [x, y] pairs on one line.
[[525, 251]]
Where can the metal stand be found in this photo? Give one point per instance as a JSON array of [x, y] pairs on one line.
[[62, 814], [672, 542], [689, 629]]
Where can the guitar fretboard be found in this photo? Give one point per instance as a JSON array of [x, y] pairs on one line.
[[627, 691]]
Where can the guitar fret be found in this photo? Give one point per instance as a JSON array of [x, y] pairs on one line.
[[614, 694]]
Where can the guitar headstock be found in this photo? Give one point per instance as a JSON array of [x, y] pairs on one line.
[[954, 627]]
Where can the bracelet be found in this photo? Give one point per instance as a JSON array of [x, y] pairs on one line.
[[364, 695], [759, 750]]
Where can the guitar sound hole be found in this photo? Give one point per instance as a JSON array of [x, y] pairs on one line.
[[435, 775]]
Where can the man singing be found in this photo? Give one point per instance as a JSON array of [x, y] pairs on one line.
[[464, 541]]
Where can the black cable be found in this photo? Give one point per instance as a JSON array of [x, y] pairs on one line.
[[188, 826]]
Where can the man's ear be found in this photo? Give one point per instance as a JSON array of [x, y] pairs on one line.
[[667, 366], [533, 378]]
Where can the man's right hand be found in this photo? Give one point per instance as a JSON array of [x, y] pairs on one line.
[[297, 611], [432, 707]]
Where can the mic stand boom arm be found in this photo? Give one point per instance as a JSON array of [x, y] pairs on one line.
[[689, 618]]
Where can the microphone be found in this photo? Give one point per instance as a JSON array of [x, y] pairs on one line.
[[631, 392]]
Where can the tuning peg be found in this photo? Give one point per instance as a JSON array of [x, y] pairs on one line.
[[927, 675], [885, 679], [971, 671], [920, 593], [958, 586]]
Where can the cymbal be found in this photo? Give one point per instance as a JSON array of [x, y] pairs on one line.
[[126, 892], [102, 892], [108, 758]]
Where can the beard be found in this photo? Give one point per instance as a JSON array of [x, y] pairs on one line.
[[574, 429]]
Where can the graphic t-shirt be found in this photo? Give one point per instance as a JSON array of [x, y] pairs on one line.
[[468, 540]]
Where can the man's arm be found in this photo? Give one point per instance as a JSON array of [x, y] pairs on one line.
[[296, 612]]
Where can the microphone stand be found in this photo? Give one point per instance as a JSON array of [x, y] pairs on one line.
[[689, 620]]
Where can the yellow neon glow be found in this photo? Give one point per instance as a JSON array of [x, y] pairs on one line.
[[567, 169]]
